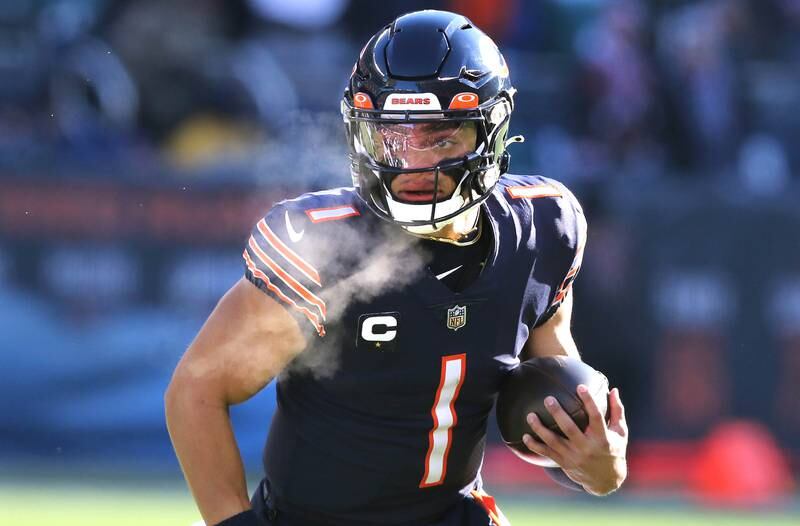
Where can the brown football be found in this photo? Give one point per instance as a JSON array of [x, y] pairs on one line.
[[526, 387]]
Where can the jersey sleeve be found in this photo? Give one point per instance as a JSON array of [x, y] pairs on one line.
[[568, 227], [279, 260]]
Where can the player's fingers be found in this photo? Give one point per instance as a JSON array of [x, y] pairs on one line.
[[540, 449], [552, 440], [564, 421], [596, 420], [617, 412]]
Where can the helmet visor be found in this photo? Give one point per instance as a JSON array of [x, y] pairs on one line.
[[410, 145]]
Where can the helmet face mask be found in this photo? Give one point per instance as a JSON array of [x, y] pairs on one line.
[[427, 146]]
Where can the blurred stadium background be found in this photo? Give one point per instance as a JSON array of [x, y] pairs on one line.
[[140, 140]]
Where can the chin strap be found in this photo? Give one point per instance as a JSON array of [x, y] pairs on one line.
[[465, 224]]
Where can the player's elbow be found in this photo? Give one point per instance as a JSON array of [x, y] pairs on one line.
[[175, 391], [175, 398], [189, 390]]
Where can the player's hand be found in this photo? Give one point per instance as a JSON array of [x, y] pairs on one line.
[[594, 458]]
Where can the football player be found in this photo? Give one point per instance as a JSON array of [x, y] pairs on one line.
[[389, 312]]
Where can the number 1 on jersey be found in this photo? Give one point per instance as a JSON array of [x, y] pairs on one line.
[[444, 419]]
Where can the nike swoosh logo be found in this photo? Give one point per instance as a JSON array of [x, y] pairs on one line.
[[445, 274], [294, 235]]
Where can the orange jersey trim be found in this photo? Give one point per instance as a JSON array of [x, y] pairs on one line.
[[488, 503], [287, 278], [290, 255], [263, 277], [572, 272], [533, 191], [559, 297], [320, 215], [565, 286]]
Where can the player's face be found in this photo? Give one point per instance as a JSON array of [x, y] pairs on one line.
[[424, 145]]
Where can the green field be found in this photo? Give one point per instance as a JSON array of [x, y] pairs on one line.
[[92, 505]]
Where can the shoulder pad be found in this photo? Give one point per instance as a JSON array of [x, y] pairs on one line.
[[283, 257]]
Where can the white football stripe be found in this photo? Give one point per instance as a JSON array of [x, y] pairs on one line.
[[445, 416], [331, 213]]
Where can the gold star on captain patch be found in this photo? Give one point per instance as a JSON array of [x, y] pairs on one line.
[[377, 345]]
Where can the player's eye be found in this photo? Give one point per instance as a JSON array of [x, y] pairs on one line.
[[440, 144], [445, 143]]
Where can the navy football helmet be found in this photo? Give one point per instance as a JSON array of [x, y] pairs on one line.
[[428, 86]]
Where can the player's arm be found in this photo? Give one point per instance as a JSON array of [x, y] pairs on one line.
[[594, 459], [554, 337], [246, 341]]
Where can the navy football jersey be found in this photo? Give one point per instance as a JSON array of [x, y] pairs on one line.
[[382, 419]]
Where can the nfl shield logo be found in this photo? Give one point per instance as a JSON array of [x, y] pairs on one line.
[[456, 317]]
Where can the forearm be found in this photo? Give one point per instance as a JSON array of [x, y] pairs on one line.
[[204, 442]]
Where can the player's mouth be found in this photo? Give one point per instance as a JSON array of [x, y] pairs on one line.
[[422, 190], [416, 196]]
